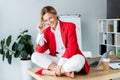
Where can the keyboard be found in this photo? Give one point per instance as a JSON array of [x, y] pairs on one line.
[[94, 64]]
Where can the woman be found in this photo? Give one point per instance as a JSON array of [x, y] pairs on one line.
[[64, 56]]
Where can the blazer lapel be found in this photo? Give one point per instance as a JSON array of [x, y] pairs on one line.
[[62, 30], [52, 43]]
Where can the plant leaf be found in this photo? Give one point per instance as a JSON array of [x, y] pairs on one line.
[[16, 54], [7, 54], [2, 43], [8, 41], [9, 59], [24, 54], [25, 31], [14, 46], [3, 53], [27, 36], [18, 37], [0, 51], [20, 47], [30, 42]]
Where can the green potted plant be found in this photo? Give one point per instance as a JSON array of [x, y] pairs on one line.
[[5, 50], [23, 47]]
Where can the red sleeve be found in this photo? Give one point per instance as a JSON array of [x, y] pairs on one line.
[[43, 48], [72, 45]]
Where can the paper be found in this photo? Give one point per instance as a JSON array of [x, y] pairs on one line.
[[114, 65]]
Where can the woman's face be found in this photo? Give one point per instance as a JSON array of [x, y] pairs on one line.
[[50, 20]]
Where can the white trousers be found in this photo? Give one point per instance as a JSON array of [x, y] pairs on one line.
[[75, 63]]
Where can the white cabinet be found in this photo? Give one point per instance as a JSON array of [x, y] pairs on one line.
[[109, 35]]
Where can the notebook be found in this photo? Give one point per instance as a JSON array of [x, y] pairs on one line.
[[97, 63]]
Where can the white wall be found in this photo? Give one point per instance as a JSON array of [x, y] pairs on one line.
[[16, 15]]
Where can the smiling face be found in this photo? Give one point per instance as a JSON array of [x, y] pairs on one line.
[[50, 20], [49, 17]]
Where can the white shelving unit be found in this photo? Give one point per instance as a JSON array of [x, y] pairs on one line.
[[109, 35]]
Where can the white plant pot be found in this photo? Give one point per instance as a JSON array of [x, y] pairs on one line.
[[26, 64]]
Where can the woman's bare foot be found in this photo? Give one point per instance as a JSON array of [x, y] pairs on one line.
[[48, 72], [70, 74], [52, 73]]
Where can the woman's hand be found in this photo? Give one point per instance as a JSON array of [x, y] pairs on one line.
[[41, 27], [58, 70]]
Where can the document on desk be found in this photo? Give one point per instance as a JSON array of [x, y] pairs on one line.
[[115, 65]]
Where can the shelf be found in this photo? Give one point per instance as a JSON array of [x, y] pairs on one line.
[[109, 35], [118, 39], [102, 25], [110, 27]]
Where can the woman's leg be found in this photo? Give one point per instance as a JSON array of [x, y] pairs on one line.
[[48, 72], [52, 66], [74, 64], [41, 60], [45, 61]]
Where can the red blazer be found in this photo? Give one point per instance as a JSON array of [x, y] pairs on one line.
[[68, 33]]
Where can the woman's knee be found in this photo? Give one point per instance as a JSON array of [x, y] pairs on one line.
[[79, 57], [33, 57], [75, 63]]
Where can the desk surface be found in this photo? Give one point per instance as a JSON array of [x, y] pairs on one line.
[[95, 74]]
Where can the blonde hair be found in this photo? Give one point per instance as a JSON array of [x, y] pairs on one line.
[[47, 9]]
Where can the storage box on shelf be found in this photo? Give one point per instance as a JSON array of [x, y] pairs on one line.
[[109, 35]]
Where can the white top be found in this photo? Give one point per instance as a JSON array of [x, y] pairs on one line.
[[60, 48]]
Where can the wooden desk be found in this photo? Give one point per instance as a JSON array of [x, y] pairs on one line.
[[95, 74]]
